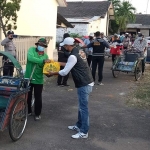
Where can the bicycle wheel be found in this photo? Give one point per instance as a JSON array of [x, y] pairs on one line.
[[18, 119], [115, 73], [138, 70]]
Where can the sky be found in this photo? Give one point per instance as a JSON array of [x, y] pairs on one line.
[[140, 5]]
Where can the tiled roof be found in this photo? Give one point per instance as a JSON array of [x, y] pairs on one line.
[[143, 19], [84, 9]]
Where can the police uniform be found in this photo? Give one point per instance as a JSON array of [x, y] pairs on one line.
[[62, 57], [99, 46]]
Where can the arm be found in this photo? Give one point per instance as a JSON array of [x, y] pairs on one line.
[[5, 41], [72, 60], [106, 44], [32, 58]]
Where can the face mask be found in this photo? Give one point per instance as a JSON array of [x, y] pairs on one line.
[[140, 38], [40, 48], [10, 38]]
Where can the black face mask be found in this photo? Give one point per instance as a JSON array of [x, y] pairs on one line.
[[10, 38]]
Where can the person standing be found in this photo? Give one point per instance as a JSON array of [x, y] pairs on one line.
[[141, 44], [98, 46], [89, 50], [126, 41], [63, 57], [36, 57], [10, 47], [83, 80], [115, 47]]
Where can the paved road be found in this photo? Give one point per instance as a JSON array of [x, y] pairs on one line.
[[113, 124]]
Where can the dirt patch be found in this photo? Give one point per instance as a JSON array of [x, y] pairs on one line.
[[140, 96]]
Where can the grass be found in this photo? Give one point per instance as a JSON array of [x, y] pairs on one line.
[[140, 97]]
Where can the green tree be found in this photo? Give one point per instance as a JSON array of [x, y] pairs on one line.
[[8, 14], [124, 14]]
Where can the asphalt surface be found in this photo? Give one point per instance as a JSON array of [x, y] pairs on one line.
[[113, 124]]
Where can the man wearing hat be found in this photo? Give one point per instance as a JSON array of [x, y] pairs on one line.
[[36, 57], [141, 44], [9, 46], [83, 80]]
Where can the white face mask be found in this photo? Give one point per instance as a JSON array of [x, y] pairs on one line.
[[140, 38]]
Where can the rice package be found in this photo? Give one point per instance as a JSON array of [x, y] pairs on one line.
[[51, 67]]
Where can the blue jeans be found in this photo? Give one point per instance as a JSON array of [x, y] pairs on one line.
[[83, 113]]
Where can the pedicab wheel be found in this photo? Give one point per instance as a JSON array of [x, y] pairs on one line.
[[115, 73], [18, 119], [138, 70]]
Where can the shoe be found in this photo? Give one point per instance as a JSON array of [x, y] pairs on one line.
[[65, 85], [75, 128], [100, 83], [37, 118], [29, 114], [80, 135]]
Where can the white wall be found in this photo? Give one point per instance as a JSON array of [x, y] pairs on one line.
[[38, 18], [145, 32], [81, 29], [94, 26], [103, 25]]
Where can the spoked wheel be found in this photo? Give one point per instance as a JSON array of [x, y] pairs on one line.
[[138, 70], [115, 73], [18, 119]]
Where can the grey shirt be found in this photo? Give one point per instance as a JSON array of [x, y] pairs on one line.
[[9, 46]]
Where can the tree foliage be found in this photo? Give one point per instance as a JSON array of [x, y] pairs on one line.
[[8, 14], [124, 13]]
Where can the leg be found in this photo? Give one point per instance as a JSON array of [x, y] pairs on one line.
[[38, 98], [113, 58], [6, 69], [89, 60], [83, 115], [65, 79], [59, 79], [100, 68], [94, 66], [30, 98], [11, 69], [143, 65]]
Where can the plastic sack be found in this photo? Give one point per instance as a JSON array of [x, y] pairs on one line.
[[51, 67]]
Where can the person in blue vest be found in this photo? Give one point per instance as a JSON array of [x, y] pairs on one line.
[[98, 45]]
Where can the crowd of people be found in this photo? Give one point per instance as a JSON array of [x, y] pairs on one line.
[[83, 69]]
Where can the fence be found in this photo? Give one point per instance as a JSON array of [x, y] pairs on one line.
[[22, 46]]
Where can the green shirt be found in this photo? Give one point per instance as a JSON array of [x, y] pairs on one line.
[[33, 58]]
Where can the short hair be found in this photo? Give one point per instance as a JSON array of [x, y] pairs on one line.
[[97, 34], [66, 35]]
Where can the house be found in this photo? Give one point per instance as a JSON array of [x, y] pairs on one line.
[[38, 18], [141, 24], [87, 17]]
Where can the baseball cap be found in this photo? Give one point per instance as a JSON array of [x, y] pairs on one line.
[[42, 41], [10, 32], [67, 41]]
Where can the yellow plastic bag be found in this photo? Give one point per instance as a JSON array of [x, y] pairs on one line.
[[51, 67]]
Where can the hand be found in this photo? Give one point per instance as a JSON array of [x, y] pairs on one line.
[[47, 61]]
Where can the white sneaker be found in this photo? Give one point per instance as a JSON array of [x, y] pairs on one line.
[[37, 118], [80, 135], [75, 128], [100, 83]]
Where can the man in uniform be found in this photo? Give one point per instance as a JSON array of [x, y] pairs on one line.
[[98, 46], [9, 46]]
